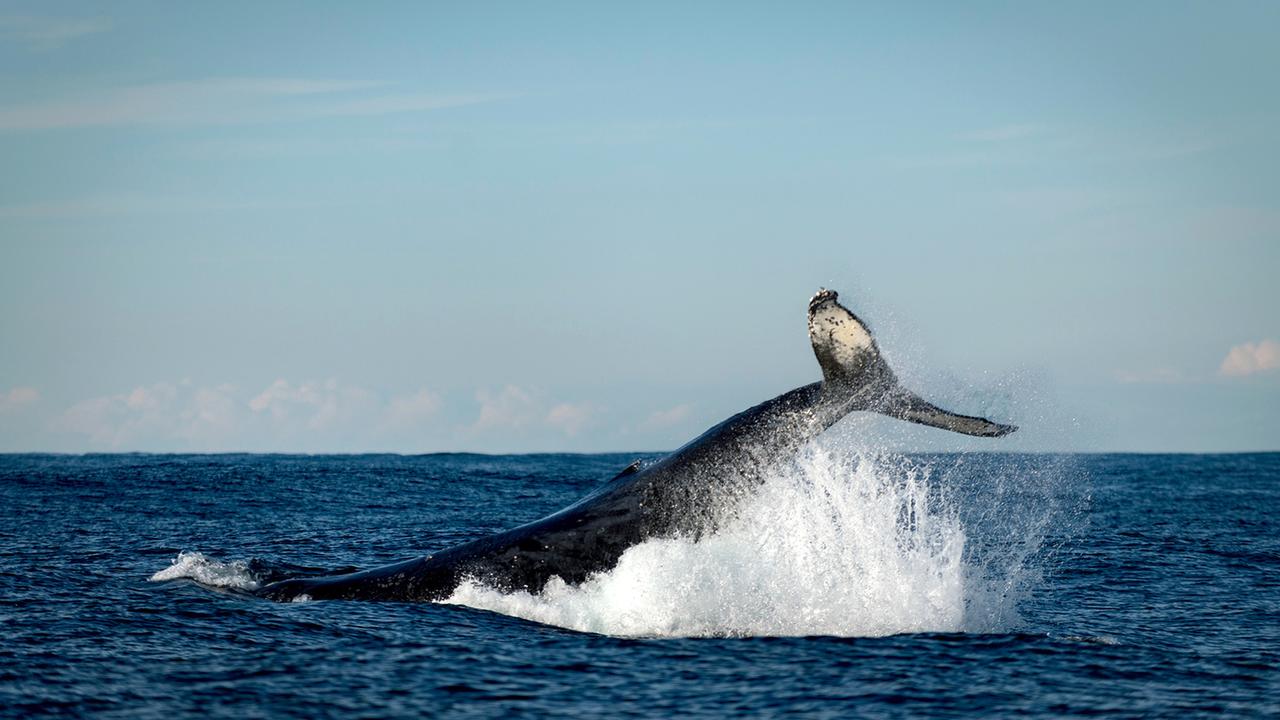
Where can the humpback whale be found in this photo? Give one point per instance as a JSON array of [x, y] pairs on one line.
[[685, 493]]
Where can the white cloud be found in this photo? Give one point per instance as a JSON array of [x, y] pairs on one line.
[[213, 413], [49, 32], [661, 419], [571, 418], [284, 416], [408, 411], [1251, 358], [511, 407], [279, 395], [317, 405], [226, 101], [18, 398], [517, 408], [221, 417], [312, 416], [96, 418], [116, 421]]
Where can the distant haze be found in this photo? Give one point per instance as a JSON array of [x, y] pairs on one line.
[[525, 226]]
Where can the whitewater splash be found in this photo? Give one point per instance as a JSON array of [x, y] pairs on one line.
[[841, 542], [195, 566], [838, 544]]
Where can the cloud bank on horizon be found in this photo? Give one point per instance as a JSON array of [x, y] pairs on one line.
[[594, 228], [321, 416]]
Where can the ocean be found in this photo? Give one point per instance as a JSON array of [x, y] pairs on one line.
[[852, 583]]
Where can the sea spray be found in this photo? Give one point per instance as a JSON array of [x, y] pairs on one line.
[[234, 575], [842, 541], [839, 542]]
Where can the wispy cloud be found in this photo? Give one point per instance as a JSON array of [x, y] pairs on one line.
[[212, 414], [1003, 133], [308, 415], [1011, 144], [1030, 144], [18, 398], [115, 421], [570, 418], [44, 33], [317, 405], [520, 409], [1152, 376], [286, 414], [133, 203], [1251, 358], [196, 417], [226, 101], [412, 410], [662, 419], [1236, 223], [511, 407]]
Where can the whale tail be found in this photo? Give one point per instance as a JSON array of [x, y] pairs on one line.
[[852, 366]]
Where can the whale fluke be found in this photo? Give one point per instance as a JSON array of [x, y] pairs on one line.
[[852, 365], [903, 404], [843, 344]]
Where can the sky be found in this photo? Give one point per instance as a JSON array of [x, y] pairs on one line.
[[517, 227]]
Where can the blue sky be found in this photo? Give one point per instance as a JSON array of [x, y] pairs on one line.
[[520, 227]]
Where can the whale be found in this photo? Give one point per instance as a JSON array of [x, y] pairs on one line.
[[688, 493]]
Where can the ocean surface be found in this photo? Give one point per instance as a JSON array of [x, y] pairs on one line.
[[852, 584]]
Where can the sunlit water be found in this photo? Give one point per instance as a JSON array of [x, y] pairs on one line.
[[850, 582]]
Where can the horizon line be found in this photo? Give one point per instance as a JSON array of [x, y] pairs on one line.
[[286, 453]]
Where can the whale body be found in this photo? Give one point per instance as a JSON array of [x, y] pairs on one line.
[[684, 494]]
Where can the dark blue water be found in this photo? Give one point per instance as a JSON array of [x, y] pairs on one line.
[[1134, 586]]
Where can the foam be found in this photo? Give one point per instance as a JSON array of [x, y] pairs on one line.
[[213, 573], [844, 544]]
